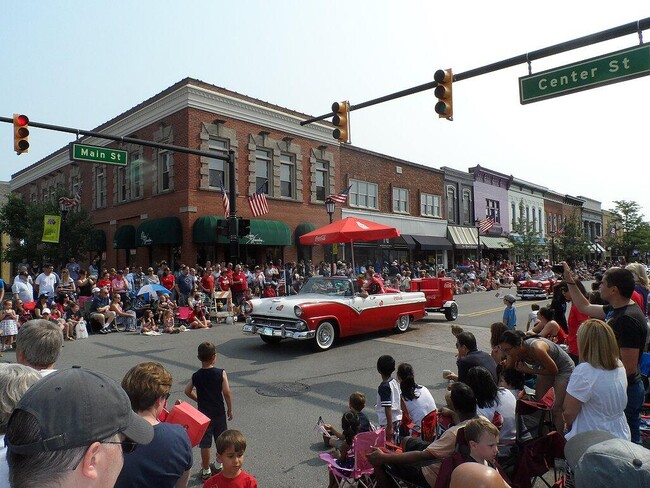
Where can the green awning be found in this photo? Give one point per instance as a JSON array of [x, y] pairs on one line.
[[159, 232], [124, 237], [302, 229], [264, 233], [204, 230], [495, 242], [96, 240]]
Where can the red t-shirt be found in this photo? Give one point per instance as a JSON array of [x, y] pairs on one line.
[[573, 322], [207, 281], [243, 480], [241, 277], [167, 281], [224, 283]]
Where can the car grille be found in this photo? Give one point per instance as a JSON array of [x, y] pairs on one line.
[[291, 324]]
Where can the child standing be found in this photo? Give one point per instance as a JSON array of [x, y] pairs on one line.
[[532, 316], [212, 389], [8, 325], [510, 314], [231, 445], [388, 406]]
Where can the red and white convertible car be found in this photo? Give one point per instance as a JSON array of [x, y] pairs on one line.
[[328, 308]]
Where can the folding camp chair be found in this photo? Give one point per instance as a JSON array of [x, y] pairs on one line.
[[536, 458], [183, 316], [361, 473], [534, 418]]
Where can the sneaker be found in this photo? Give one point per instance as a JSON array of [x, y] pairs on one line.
[[104, 331], [214, 469], [206, 474]]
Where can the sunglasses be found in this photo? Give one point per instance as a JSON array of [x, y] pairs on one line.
[[128, 446]]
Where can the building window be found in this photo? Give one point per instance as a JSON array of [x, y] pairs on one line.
[[400, 200], [137, 181], [430, 205], [217, 175], [451, 204], [164, 168], [122, 184], [263, 165], [541, 222], [100, 187], [513, 209], [363, 194], [287, 176], [322, 180], [492, 210], [467, 205], [534, 220]]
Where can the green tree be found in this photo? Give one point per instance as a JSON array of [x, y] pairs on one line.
[[526, 241], [632, 233], [23, 222], [572, 243]]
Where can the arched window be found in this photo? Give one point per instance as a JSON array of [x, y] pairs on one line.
[[451, 204]]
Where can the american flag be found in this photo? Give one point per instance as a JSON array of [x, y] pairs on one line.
[[257, 202], [341, 197], [485, 224], [226, 200], [68, 202]]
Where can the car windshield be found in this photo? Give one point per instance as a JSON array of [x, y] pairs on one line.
[[328, 286]]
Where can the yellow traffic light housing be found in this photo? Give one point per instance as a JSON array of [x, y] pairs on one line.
[[21, 134], [445, 106], [341, 120]]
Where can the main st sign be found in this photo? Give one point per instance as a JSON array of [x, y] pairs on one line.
[[592, 73]]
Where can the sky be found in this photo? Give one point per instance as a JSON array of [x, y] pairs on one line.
[[80, 63]]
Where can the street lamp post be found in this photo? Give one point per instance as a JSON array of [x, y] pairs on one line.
[[552, 234], [330, 206], [477, 222]]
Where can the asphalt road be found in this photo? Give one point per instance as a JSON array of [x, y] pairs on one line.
[[280, 391]]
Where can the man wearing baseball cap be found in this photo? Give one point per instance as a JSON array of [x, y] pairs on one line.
[[71, 429], [602, 460]]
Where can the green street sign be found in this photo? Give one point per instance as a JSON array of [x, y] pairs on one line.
[[96, 154], [592, 73]]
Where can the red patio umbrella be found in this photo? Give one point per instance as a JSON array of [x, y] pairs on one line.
[[349, 229]]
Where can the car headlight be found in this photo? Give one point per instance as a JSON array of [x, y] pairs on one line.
[[301, 326], [247, 307], [297, 310]]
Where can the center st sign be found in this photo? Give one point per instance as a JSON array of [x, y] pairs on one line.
[[592, 73]]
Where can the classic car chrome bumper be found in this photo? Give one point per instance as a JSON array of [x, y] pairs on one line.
[[532, 293], [276, 331]]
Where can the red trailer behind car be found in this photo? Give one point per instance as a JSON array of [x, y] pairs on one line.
[[439, 293]]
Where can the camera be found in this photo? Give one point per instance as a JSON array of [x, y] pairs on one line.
[[558, 268]]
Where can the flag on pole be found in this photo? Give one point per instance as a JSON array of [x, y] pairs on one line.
[[341, 197], [257, 201], [485, 225], [51, 228], [226, 200]]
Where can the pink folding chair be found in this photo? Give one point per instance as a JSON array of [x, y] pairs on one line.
[[361, 473]]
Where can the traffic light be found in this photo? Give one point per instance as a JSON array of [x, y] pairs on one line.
[[21, 134], [445, 106], [341, 120], [222, 228], [244, 227]]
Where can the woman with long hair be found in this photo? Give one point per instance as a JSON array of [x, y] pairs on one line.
[[492, 400], [597, 392], [417, 399], [547, 327], [496, 331], [641, 283], [544, 359]]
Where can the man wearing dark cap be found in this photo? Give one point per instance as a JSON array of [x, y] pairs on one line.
[[70, 430]]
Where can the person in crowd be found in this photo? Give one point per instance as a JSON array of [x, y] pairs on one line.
[[148, 324], [268, 291], [558, 305], [137, 279], [543, 358], [66, 285], [85, 285], [213, 399], [532, 316], [641, 284], [72, 429], [185, 285], [46, 281], [151, 278], [100, 310], [15, 379], [470, 356], [168, 322], [596, 394], [206, 283], [419, 462], [231, 446], [549, 328], [510, 313], [22, 288], [8, 325], [494, 403], [239, 284], [120, 285], [630, 329], [166, 461], [73, 268], [224, 283], [574, 320], [198, 318], [123, 317], [73, 316], [478, 476], [42, 302], [106, 281], [496, 331], [389, 411], [23, 314], [168, 280], [356, 403], [512, 380], [417, 399]]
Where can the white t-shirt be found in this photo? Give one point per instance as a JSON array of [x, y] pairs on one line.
[[388, 395], [506, 403], [421, 406], [46, 283], [603, 395]]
